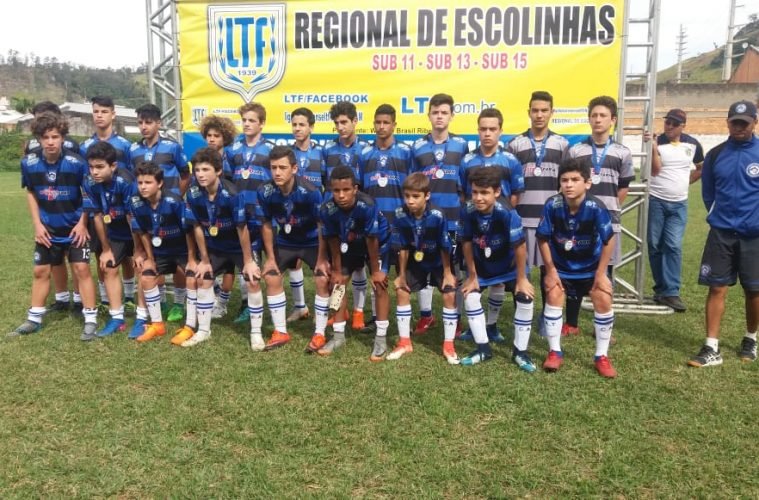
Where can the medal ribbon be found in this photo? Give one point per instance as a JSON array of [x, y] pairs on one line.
[[599, 161], [155, 218], [540, 152]]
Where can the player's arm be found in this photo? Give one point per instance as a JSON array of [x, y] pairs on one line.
[[184, 182], [322, 265], [41, 235], [400, 281], [656, 164], [695, 174], [551, 279], [601, 280], [523, 284], [106, 253], [337, 260], [471, 284], [379, 279], [250, 268], [267, 235], [143, 251], [203, 260]]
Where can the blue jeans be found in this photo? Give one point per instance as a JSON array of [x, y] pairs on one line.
[[666, 226]]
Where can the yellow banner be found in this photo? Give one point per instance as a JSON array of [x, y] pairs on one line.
[[314, 53]]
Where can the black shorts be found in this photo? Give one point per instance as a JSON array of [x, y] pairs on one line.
[[727, 257], [121, 250], [226, 263], [354, 262], [166, 264], [418, 278], [95, 245], [287, 257], [577, 288], [54, 255]]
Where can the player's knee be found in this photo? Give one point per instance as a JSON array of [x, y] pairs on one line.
[[41, 272], [555, 297], [82, 270], [601, 301], [523, 298]]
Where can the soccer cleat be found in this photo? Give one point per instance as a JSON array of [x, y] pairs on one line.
[[257, 343], [196, 339], [219, 310], [89, 332], [465, 335], [604, 368], [59, 306], [138, 328], [567, 330], [379, 350], [424, 324], [706, 357], [475, 358], [331, 346], [358, 320], [244, 316], [748, 350], [112, 326], [152, 331], [317, 342], [183, 334], [299, 313], [76, 310], [553, 361], [370, 327], [26, 328], [400, 349], [494, 335], [277, 339], [523, 361], [449, 352], [176, 313]]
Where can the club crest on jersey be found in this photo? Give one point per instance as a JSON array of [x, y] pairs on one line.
[[198, 113], [246, 47], [51, 175]]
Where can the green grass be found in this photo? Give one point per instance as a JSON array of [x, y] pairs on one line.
[[113, 418]]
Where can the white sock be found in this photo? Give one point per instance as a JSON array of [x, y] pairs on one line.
[[750, 335], [523, 324], [382, 328], [321, 310], [153, 301], [450, 319], [553, 321], [296, 286], [128, 288], [77, 298], [117, 313], [223, 298], [204, 307], [425, 299], [256, 310], [713, 343], [102, 292], [495, 302], [141, 313], [90, 315], [476, 317], [603, 324], [278, 311], [62, 296], [359, 289], [339, 327], [180, 295], [403, 319], [191, 318], [35, 314]]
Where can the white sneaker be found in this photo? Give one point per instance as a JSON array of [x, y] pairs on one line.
[[452, 358], [298, 313], [399, 351], [257, 343], [219, 310], [200, 336]]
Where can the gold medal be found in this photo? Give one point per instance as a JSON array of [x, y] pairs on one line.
[[107, 219], [213, 230], [418, 256]]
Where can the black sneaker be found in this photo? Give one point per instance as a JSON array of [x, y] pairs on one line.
[[59, 306], [748, 350], [675, 302], [370, 327], [76, 310], [706, 357]]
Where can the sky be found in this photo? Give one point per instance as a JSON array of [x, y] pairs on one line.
[[81, 25]]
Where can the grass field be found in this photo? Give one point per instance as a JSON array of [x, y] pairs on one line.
[[113, 418]]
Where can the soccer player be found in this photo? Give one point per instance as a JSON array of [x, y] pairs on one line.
[[218, 217], [103, 116], [611, 174], [383, 167], [53, 180], [540, 151], [158, 221], [248, 157], [169, 155], [292, 202], [420, 234], [438, 155], [676, 163], [495, 252], [729, 184], [357, 234], [110, 190], [346, 150], [576, 243]]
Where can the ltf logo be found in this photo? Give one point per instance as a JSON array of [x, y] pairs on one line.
[[247, 47]]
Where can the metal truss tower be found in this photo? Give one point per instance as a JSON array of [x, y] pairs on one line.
[[164, 84]]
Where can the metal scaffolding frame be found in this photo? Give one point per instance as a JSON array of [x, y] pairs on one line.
[[164, 85]]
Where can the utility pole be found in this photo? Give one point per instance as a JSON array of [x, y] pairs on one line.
[[727, 65], [680, 52]]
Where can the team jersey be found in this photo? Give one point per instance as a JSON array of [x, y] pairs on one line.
[[336, 154], [121, 145], [296, 215], [311, 164], [540, 161], [613, 163], [512, 181], [353, 226], [167, 222], [442, 164], [249, 164], [494, 237], [576, 240], [112, 200], [382, 172], [34, 146], [225, 213], [429, 235], [167, 154], [57, 187]]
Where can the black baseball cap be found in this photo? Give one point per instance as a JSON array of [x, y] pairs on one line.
[[742, 110], [676, 114]]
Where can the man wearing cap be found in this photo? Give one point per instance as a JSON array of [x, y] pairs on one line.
[[676, 163], [730, 188]]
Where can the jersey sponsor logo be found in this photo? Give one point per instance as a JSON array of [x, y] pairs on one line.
[[198, 113], [247, 47], [753, 169]]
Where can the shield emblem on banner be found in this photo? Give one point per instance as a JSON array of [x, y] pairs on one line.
[[198, 113], [247, 47]]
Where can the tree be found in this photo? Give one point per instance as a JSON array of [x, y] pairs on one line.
[[22, 104]]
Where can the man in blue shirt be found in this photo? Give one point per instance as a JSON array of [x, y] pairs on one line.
[[53, 180], [575, 239], [729, 186]]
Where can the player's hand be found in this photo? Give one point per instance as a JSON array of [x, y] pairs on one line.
[[322, 267], [400, 284], [269, 266], [524, 286], [41, 236], [379, 280], [338, 278], [470, 285], [552, 281], [202, 269], [80, 235], [106, 257], [602, 283], [139, 262], [252, 271]]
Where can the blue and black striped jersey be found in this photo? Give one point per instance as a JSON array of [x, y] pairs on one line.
[[122, 146], [382, 172], [226, 212], [512, 181], [166, 153], [311, 164], [113, 200], [249, 164], [428, 234], [355, 225], [336, 154], [295, 215], [167, 222]]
